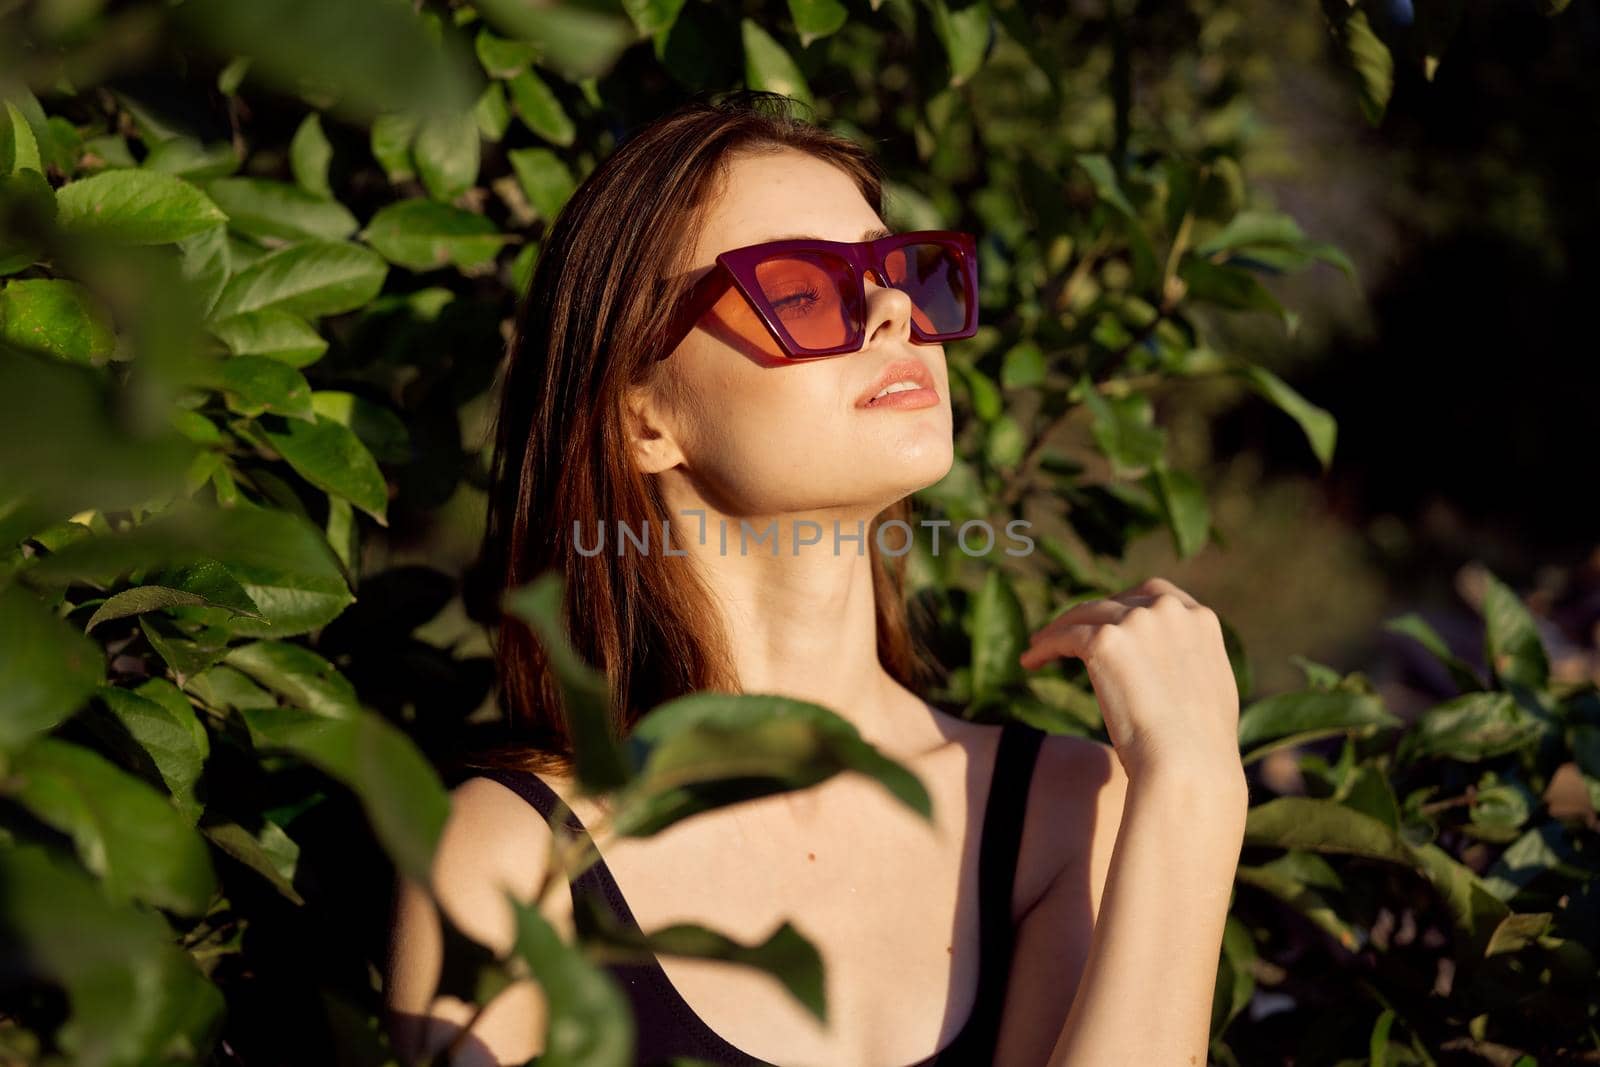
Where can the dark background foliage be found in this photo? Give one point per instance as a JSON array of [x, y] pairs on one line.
[[1288, 305]]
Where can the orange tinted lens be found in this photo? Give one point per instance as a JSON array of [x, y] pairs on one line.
[[813, 296], [931, 275]]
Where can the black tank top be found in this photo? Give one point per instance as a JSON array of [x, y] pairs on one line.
[[668, 1026]]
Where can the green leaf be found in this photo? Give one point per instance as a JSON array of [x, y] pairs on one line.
[[1319, 427], [590, 1023], [586, 694], [160, 719], [446, 153], [262, 208], [366, 56], [1236, 982], [574, 41], [1104, 177], [1472, 727], [1365, 55], [1024, 366], [522, 268], [205, 583], [185, 157], [135, 207], [1323, 826], [23, 195], [299, 675], [1005, 442], [19, 149], [1274, 240], [999, 635], [294, 577], [1543, 849], [540, 109], [212, 582], [1511, 639], [255, 385], [270, 852], [221, 687], [501, 58], [653, 17], [186, 650], [47, 668], [544, 178], [60, 453], [424, 235], [1296, 717], [1124, 428], [126, 833], [135, 996], [492, 112], [331, 457], [987, 403], [1231, 287], [1413, 625], [309, 157], [767, 66], [1378, 1042], [1473, 907], [398, 788], [965, 31], [1499, 811], [281, 561], [1516, 932], [786, 955], [271, 333], [206, 263], [1307, 901], [380, 429], [816, 18], [1183, 506], [56, 316], [391, 145], [707, 749], [312, 279]]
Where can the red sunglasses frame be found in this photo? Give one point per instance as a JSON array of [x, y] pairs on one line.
[[737, 267]]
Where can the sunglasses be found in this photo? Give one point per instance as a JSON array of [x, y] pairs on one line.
[[811, 294]]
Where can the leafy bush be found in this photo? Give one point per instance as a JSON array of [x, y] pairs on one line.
[[258, 259]]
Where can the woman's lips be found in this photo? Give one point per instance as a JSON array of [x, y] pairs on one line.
[[901, 372], [905, 398]]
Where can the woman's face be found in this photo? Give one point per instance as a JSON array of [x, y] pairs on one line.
[[757, 434]]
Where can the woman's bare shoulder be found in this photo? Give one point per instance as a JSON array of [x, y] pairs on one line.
[[493, 841], [1074, 809], [494, 844]]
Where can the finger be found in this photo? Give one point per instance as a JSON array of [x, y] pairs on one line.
[[1099, 610], [1067, 641], [1156, 585]]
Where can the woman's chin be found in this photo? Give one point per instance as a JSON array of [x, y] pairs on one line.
[[917, 468]]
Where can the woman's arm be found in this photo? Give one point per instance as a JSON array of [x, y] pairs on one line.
[[1144, 997], [1165, 687], [492, 843]]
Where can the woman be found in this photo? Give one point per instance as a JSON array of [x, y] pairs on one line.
[[1066, 904]]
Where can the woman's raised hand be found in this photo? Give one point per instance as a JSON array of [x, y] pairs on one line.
[[1160, 672]]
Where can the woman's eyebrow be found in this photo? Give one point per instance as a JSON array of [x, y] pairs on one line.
[[871, 234]]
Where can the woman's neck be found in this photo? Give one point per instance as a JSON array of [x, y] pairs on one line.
[[798, 606]]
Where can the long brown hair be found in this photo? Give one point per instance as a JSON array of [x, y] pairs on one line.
[[587, 329]]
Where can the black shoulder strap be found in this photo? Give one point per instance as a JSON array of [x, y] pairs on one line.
[[997, 871], [596, 879], [535, 791]]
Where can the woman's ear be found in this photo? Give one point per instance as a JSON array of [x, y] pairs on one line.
[[649, 430]]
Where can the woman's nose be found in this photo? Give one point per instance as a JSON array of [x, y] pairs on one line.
[[887, 307]]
